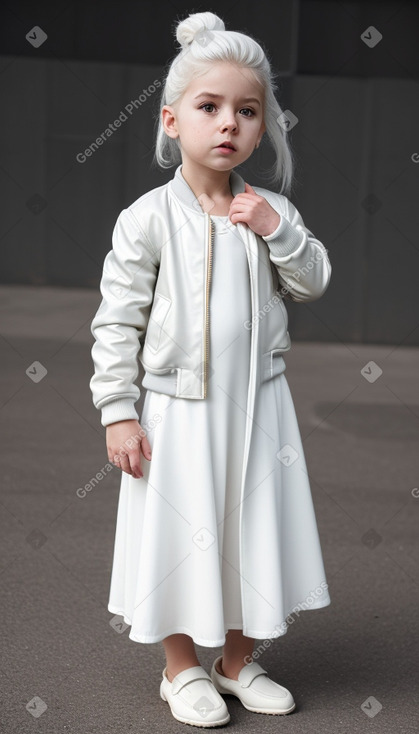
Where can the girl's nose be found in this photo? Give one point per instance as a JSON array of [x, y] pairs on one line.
[[228, 125]]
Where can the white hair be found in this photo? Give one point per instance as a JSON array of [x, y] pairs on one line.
[[203, 39]]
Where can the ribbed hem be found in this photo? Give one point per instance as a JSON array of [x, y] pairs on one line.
[[285, 239], [119, 410]]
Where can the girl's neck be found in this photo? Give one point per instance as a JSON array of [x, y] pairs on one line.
[[212, 184]]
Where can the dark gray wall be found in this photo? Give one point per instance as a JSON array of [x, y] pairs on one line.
[[355, 146]]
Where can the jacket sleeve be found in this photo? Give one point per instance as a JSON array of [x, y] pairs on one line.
[[301, 260], [129, 275]]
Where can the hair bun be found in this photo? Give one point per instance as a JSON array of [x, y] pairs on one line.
[[197, 22]]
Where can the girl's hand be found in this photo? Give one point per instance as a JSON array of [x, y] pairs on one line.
[[255, 211], [125, 441]]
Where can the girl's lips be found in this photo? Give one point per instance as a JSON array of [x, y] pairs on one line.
[[225, 149]]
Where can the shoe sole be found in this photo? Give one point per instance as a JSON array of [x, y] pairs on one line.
[[224, 691], [208, 725]]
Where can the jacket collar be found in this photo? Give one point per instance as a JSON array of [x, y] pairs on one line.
[[183, 191]]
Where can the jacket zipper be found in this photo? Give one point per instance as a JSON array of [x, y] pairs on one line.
[[206, 352]]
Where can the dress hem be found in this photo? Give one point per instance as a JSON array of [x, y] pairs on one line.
[[256, 634]]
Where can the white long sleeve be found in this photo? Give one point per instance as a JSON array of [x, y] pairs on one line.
[[301, 260], [127, 287]]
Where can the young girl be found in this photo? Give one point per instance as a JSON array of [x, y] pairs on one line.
[[216, 539]]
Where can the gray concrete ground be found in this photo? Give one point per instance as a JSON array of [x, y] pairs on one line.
[[352, 667]]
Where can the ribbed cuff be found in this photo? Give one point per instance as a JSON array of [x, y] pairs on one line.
[[285, 239], [119, 410]]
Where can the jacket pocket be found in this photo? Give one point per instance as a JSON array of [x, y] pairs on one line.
[[159, 311], [276, 339], [273, 362]]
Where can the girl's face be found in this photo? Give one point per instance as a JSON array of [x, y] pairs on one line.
[[223, 104]]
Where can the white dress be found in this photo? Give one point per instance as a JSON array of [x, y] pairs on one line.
[[176, 563]]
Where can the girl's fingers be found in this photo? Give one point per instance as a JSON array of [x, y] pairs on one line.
[[240, 217], [249, 188], [241, 212], [239, 209], [128, 462], [134, 464], [242, 205], [124, 464], [146, 448], [129, 459], [144, 443], [242, 199]]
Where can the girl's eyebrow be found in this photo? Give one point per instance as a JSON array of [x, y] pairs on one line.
[[220, 96]]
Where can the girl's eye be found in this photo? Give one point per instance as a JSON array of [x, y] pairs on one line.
[[210, 104]]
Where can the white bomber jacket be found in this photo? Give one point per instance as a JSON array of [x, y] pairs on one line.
[[156, 286]]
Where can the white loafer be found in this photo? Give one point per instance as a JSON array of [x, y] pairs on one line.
[[255, 689], [193, 699]]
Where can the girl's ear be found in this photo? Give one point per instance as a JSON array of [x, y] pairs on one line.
[[169, 121]]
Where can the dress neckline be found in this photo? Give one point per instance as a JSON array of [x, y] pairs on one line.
[[222, 222]]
